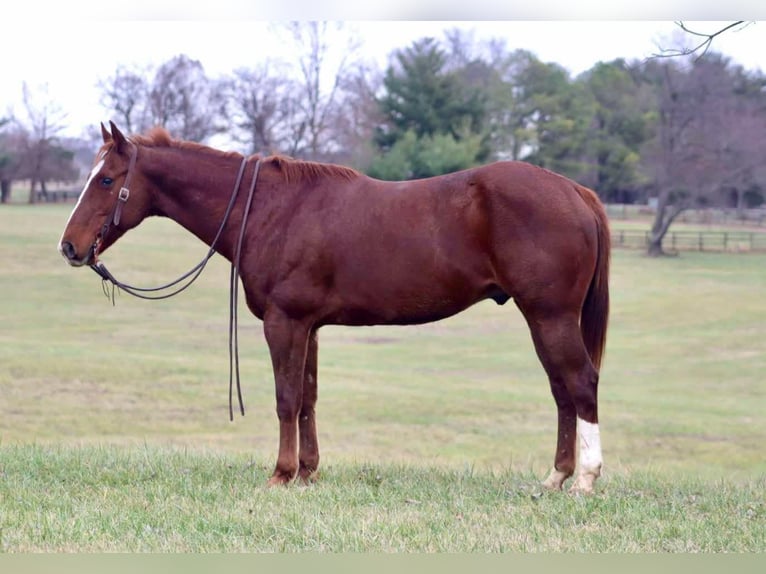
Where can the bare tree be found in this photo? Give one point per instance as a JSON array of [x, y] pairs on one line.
[[322, 64], [462, 48], [358, 114], [668, 154], [183, 100], [703, 40], [126, 94], [254, 103], [43, 160], [734, 128], [708, 141]]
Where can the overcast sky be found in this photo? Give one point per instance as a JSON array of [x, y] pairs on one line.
[[70, 51]]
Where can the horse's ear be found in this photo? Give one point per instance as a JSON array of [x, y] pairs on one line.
[[105, 133], [120, 141]]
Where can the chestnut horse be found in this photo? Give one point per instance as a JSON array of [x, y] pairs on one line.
[[325, 244]]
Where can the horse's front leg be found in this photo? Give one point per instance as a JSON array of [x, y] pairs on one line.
[[308, 454], [288, 341]]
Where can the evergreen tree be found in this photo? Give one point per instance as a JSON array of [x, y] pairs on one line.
[[432, 116], [556, 113]]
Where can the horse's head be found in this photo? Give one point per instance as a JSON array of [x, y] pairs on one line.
[[115, 198]]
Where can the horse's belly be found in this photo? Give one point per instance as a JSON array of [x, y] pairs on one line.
[[415, 301]]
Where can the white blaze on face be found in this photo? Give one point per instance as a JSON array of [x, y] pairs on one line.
[[590, 447], [93, 173]]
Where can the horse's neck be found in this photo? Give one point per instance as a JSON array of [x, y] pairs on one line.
[[197, 201]]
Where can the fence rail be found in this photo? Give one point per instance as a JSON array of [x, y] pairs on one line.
[[754, 217], [735, 241], [56, 195]]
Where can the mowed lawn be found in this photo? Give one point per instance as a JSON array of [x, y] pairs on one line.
[[93, 386]]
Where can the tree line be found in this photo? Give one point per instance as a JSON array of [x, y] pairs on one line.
[[677, 132]]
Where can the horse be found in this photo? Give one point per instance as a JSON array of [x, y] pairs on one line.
[[326, 244]]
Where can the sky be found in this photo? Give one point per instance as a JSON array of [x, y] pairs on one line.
[[68, 50]]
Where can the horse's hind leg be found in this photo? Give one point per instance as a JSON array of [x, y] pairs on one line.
[[308, 455], [574, 384], [564, 461]]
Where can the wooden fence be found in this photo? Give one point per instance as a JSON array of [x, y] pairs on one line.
[[735, 241], [56, 195], [755, 217]]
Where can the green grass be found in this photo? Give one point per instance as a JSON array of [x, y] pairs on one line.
[[149, 500], [114, 427]]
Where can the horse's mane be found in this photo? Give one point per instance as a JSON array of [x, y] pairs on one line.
[[292, 170], [155, 137], [159, 137]]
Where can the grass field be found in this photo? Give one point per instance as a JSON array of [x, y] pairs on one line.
[[433, 437], [100, 499]]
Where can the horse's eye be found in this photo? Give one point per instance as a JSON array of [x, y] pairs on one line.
[[106, 181]]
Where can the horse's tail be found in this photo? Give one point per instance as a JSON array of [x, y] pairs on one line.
[[595, 311]]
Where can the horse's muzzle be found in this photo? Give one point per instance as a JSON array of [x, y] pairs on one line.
[[69, 253]]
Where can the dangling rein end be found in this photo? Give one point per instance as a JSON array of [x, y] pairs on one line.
[[107, 280]]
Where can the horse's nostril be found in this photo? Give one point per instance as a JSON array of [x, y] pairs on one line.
[[68, 250]]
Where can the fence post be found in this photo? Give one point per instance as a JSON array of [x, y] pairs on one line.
[[700, 242]]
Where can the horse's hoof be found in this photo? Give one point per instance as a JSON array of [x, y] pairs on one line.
[[279, 479], [555, 480], [583, 484], [307, 476]]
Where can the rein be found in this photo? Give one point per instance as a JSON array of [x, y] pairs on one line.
[[151, 293]]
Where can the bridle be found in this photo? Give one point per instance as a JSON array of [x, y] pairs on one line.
[[122, 199], [152, 293]]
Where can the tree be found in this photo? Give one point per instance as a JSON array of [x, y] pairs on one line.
[[126, 93], [413, 157], [427, 105], [358, 116], [704, 40], [42, 159], [505, 117], [745, 143], [420, 95], [183, 100], [619, 126], [555, 115], [534, 112], [325, 56], [709, 139], [9, 159], [254, 107], [732, 130]]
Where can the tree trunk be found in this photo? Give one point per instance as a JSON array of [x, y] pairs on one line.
[[740, 204], [666, 214], [5, 190], [32, 193], [655, 247]]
